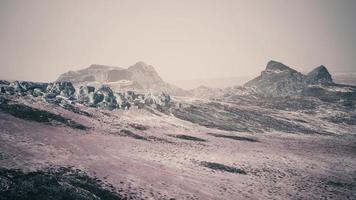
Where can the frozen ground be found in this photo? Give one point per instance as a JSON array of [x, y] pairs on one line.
[[146, 154]]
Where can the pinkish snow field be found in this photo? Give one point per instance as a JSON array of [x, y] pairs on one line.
[[151, 155]]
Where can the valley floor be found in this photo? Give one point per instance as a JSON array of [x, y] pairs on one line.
[[150, 155]]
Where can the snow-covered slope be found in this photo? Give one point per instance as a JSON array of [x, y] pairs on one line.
[[207, 150]]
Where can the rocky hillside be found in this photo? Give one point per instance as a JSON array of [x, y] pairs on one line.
[[139, 77]]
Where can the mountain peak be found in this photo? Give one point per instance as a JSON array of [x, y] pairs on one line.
[[319, 75], [277, 66], [141, 66]]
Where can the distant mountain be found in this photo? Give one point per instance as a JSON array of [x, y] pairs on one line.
[[280, 80], [140, 76]]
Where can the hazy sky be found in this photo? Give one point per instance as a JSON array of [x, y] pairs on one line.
[[183, 39]]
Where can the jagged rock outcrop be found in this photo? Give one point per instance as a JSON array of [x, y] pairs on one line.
[[64, 95], [64, 89]]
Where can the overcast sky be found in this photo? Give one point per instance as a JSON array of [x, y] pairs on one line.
[[182, 39]]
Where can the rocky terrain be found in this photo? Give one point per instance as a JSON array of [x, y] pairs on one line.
[[283, 135]]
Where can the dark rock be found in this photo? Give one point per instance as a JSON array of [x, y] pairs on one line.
[[234, 137], [104, 97], [3, 82], [188, 137], [65, 89]]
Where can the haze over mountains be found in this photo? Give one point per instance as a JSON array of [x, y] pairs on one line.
[[144, 77], [223, 82]]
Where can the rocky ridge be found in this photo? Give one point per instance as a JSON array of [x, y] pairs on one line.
[[65, 95]]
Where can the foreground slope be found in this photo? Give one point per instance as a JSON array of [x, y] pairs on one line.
[[144, 153]]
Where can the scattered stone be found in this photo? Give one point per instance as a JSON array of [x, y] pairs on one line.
[[188, 137], [233, 137], [221, 167], [139, 127], [131, 134]]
